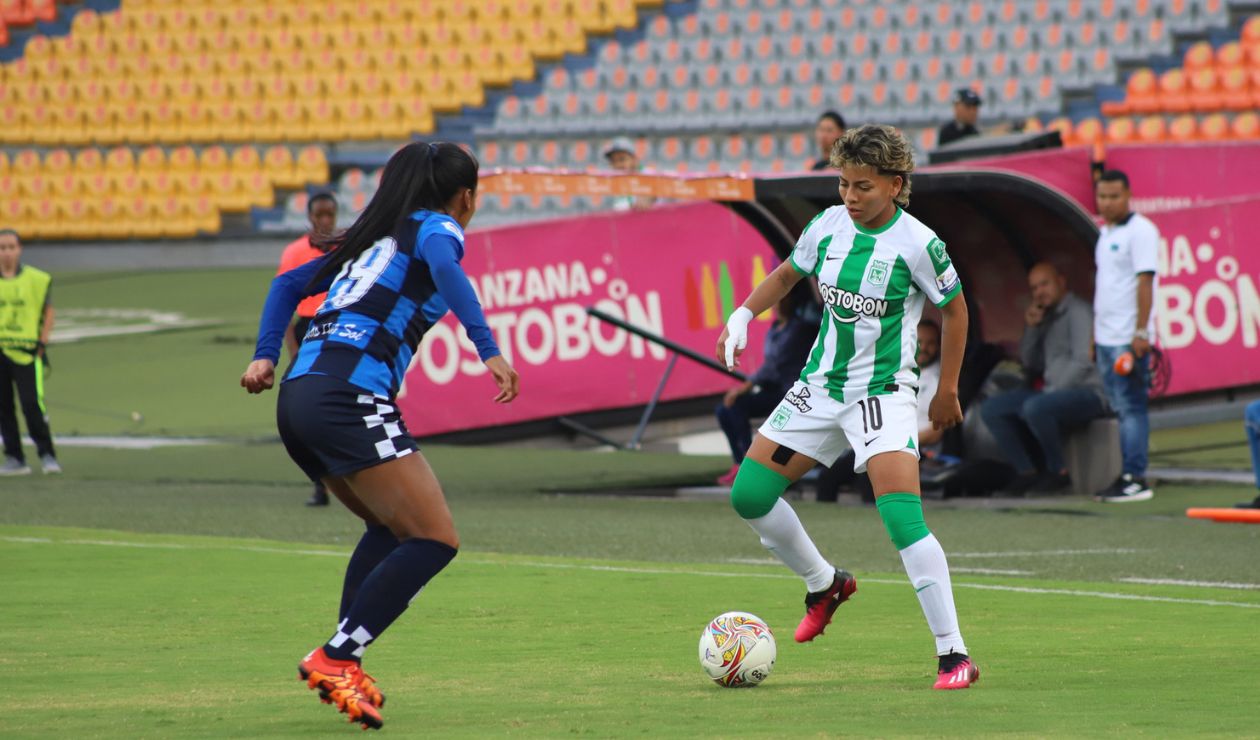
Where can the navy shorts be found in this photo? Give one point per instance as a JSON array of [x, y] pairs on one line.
[[333, 428]]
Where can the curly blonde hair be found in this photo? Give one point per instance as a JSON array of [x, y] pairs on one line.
[[880, 147]]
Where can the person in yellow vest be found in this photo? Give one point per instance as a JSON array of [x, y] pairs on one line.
[[26, 319]]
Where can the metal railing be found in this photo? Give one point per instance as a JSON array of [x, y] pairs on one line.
[[676, 350]]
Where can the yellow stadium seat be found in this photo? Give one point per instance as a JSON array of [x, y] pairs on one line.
[[35, 186], [27, 162], [4, 163], [12, 125], [213, 160], [230, 192], [41, 125], [175, 219], [79, 215], [227, 120], [99, 123], [357, 118], [151, 159], [66, 185], [72, 128], [182, 159], [313, 164], [131, 125], [390, 123], [57, 161], [110, 220], [196, 122], [290, 120], [46, 221], [14, 214], [261, 192], [88, 160], [323, 120], [195, 184], [161, 182], [141, 217], [205, 215], [119, 159], [245, 159], [281, 168]]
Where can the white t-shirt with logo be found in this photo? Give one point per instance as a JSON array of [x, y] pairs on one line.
[[873, 283], [1123, 252]]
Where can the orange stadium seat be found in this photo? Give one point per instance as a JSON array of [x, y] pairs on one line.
[[1198, 56], [1174, 91], [1230, 55], [1246, 126], [1121, 131], [1140, 96], [1204, 90], [1183, 128], [1088, 131], [1152, 129], [1235, 89], [1214, 127]]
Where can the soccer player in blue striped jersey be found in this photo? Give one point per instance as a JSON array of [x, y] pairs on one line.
[[389, 277]]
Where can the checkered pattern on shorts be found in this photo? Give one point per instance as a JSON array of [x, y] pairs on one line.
[[385, 447]]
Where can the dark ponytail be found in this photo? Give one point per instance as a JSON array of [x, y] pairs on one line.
[[419, 176]]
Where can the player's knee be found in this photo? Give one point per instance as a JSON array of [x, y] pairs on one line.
[[756, 489]]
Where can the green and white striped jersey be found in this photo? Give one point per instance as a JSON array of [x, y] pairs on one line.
[[873, 283]]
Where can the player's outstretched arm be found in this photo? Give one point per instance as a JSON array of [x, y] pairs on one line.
[[734, 338], [945, 411]]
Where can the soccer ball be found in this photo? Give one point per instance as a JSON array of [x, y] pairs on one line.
[[737, 649]]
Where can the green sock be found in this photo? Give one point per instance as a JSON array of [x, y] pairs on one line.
[[903, 517], [756, 489]]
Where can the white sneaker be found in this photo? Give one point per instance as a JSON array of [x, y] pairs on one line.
[[13, 466], [50, 465]]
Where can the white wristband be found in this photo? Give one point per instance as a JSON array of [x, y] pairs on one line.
[[736, 333]]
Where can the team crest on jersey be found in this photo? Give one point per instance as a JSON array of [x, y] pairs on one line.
[[780, 418], [936, 248], [877, 273]]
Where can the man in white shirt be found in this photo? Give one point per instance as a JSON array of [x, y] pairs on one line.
[[1127, 258]]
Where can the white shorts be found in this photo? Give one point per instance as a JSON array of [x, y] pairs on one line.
[[810, 422]]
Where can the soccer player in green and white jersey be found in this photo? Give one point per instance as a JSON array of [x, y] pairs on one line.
[[875, 264]]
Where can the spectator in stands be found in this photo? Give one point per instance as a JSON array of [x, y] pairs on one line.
[[24, 329], [621, 157], [787, 346], [1252, 422], [1127, 258], [321, 210], [1056, 347], [966, 113], [827, 132]]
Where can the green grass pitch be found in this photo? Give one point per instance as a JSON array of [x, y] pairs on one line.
[[170, 593]]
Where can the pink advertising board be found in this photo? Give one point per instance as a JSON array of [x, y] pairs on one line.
[[1205, 199], [676, 271]]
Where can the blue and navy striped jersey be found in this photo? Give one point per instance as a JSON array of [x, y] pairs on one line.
[[378, 306]]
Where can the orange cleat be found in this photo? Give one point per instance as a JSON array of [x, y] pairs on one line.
[[341, 682]]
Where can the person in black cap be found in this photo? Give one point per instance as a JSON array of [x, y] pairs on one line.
[[966, 111]]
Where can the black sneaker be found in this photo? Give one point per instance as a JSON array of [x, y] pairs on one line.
[[1126, 488], [1249, 504], [1052, 483], [319, 497]]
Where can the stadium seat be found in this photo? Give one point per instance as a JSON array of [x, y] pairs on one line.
[[1121, 131], [1183, 128], [1246, 126], [1088, 131], [1152, 129], [1214, 127]]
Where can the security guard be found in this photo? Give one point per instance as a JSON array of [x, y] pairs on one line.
[[26, 318]]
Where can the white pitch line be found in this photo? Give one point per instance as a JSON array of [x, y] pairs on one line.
[[1036, 553], [991, 571], [644, 571], [1196, 584]]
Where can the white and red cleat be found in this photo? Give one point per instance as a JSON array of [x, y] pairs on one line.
[[956, 671]]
